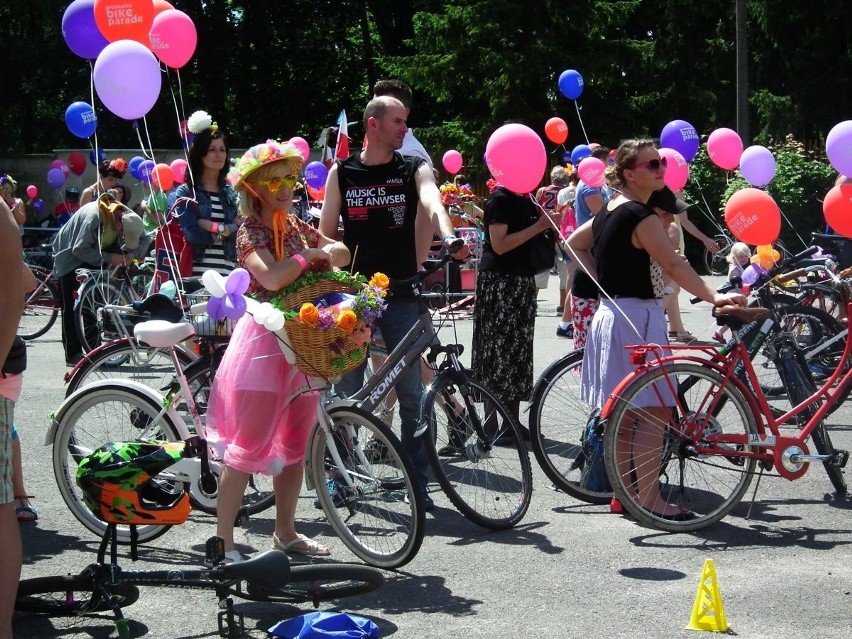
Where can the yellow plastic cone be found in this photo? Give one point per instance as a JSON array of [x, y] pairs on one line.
[[708, 613]]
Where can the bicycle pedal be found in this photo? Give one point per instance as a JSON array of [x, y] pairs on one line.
[[214, 551], [231, 624], [840, 458]]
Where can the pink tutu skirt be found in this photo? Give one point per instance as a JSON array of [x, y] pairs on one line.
[[261, 409]]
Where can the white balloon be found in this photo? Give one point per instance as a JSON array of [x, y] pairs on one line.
[[275, 322], [214, 283]]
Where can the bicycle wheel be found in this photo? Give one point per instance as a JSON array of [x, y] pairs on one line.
[[380, 516], [41, 308], [558, 422], [125, 358], [93, 297], [101, 413], [650, 451], [717, 263], [69, 595], [316, 583], [489, 483]]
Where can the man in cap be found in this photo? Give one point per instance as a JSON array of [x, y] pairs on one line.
[[100, 234]]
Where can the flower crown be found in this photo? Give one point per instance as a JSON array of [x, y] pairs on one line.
[[199, 122], [260, 154], [7, 182], [119, 164]]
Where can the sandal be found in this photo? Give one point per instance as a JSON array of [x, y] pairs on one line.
[[25, 514], [685, 337], [301, 545]]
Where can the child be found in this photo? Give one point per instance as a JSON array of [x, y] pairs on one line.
[[739, 258]]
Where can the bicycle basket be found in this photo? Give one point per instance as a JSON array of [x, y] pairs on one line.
[[205, 325], [317, 340]]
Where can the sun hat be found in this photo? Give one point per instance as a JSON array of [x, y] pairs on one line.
[[260, 155], [134, 229], [666, 199]]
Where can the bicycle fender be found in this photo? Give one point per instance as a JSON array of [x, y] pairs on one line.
[[57, 417]]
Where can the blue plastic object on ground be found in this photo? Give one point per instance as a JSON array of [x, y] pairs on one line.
[[326, 625]]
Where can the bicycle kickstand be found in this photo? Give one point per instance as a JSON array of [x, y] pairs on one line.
[[230, 623]]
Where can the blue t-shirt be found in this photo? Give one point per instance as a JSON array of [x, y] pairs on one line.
[[581, 209]]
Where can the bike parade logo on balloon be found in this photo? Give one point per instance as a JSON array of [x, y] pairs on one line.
[[681, 136], [124, 19], [677, 169], [571, 84], [173, 38], [753, 217], [556, 130], [592, 172]]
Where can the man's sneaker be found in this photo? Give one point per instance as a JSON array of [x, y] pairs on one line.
[[568, 331], [336, 491]]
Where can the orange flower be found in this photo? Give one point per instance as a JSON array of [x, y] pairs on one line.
[[346, 321], [308, 314], [379, 280]]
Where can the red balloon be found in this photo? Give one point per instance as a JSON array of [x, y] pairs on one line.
[[77, 163], [753, 217], [556, 130], [162, 5], [124, 19], [162, 177], [316, 194], [837, 207]]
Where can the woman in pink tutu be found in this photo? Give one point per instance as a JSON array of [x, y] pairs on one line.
[[261, 408]]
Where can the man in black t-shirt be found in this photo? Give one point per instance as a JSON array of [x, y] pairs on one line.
[[377, 192]]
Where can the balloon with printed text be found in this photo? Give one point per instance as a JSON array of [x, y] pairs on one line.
[[556, 130], [62, 165], [753, 217], [124, 19], [97, 160], [173, 37], [681, 136], [146, 171], [452, 161], [178, 167], [80, 31], [133, 165], [316, 174], [725, 148], [516, 157], [677, 169], [80, 119], [837, 207], [592, 172], [571, 84], [127, 79]]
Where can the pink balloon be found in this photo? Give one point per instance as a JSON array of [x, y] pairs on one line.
[[757, 165], [32, 191], [303, 146], [677, 169], [178, 170], [452, 161], [725, 148], [516, 157], [173, 37], [62, 165], [591, 171]]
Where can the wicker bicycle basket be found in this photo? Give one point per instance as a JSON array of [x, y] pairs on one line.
[[321, 353]]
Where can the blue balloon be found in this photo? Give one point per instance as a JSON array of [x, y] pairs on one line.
[[133, 166], [580, 151], [566, 157], [101, 156], [571, 84], [80, 119]]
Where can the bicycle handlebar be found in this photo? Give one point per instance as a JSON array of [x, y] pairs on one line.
[[414, 283]]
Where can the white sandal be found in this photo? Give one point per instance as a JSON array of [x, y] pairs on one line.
[[312, 548]]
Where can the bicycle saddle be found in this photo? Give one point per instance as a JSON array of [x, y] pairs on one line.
[[160, 307], [736, 317], [270, 569]]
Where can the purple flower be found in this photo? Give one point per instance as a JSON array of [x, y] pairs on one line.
[[325, 321]]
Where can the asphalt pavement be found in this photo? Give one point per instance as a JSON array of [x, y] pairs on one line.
[[568, 569]]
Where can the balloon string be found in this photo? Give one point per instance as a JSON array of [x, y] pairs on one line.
[[180, 113], [580, 118], [97, 158], [706, 211], [563, 244]]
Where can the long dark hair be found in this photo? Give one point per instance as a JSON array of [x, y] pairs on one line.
[[198, 149]]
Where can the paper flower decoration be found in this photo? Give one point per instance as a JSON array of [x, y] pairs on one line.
[[200, 121]]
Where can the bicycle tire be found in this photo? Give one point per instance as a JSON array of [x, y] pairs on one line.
[[558, 421], [380, 519], [94, 296], [41, 311], [717, 263], [491, 486], [316, 583], [125, 358], [708, 486], [93, 416], [55, 595]]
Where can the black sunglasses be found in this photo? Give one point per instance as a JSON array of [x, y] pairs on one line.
[[653, 165]]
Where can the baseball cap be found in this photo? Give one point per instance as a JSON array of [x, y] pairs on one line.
[[666, 199], [133, 229]]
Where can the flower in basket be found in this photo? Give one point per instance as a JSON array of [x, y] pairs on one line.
[[449, 194], [308, 314], [346, 320]]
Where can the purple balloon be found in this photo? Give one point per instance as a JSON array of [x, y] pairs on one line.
[[682, 137], [316, 174], [127, 78], [237, 282], [80, 31], [215, 308], [751, 273], [38, 205], [56, 178], [234, 306], [757, 164], [838, 147], [145, 170]]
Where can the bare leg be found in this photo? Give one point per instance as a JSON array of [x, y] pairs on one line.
[[287, 485], [671, 304], [232, 486]]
